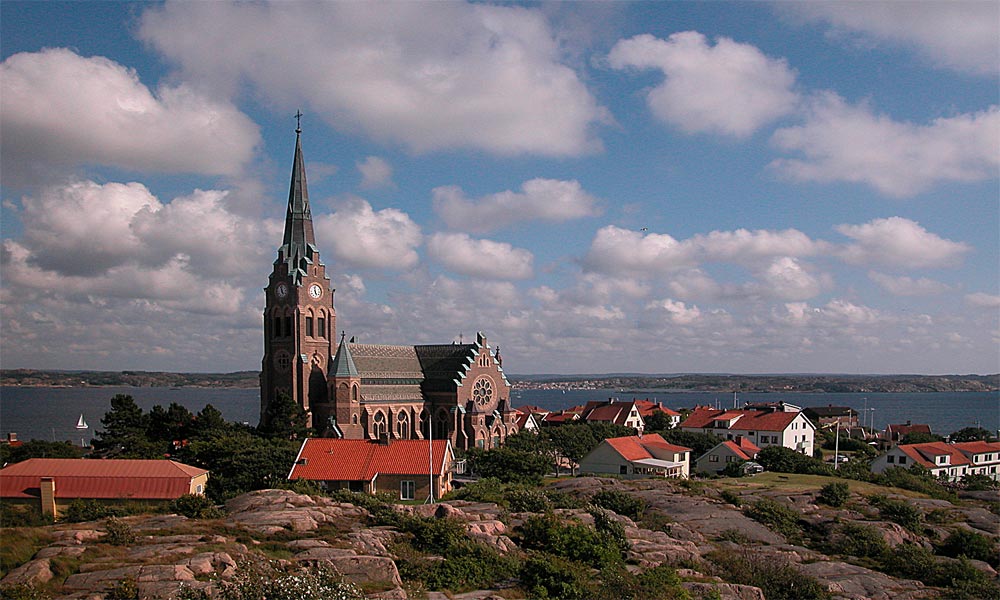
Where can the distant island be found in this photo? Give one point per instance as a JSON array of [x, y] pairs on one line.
[[623, 382]]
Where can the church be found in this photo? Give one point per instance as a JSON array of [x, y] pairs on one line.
[[380, 392]]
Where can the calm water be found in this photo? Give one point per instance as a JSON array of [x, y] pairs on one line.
[[52, 413]]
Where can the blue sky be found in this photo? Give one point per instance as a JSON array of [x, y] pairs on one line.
[[648, 187]]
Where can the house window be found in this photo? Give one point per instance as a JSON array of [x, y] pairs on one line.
[[713, 458], [902, 460], [309, 326], [321, 327], [199, 489], [623, 469], [890, 459], [406, 490], [942, 459]]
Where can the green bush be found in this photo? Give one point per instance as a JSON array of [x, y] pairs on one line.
[[22, 515], [862, 541], [525, 500], [963, 542], [258, 580], [620, 502], [90, 510], [23, 591], [573, 541], [614, 531], [658, 583], [120, 533], [126, 589], [547, 576], [915, 479], [910, 561], [899, 512], [731, 497], [775, 516], [471, 566], [196, 506], [778, 578], [834, 494], [979, 483]]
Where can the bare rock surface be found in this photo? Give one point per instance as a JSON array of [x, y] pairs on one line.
[[858, 583]]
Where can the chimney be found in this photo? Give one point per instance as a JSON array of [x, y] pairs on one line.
[[11, 437], [908, 423], [48, 496]]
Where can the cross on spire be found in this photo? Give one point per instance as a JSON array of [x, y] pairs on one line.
[[298, 121]]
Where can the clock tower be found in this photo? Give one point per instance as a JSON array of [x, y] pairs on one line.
[[299, 319]]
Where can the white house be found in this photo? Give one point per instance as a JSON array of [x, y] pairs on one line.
[[787, 428], [718, 458], [635, 457], [950, 461]]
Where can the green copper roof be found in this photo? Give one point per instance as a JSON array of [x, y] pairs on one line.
[[343, 362], [299, 242]]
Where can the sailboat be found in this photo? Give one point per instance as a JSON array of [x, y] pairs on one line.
[[82, 423]]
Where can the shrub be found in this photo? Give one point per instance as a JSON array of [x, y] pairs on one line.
[[775, 516], [862, 541], [472, 566], [548, 576], [785, 460], [916, 479], [266, 580], [910, 561], [610, 528], [620, 502], [899, 512], [778, 578], [525, 500], [573, 541], [963, 542], [658, 583], [979, 483], [120, 533], [196, 506], [90, 510], [834, 494], [126, 589], [731, 497], [22, 515], [22, 591]]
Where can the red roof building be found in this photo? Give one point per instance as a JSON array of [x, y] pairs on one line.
[[895, 433], [613, 411], [787, 428], [737, 450], [949, 461], [637, 457], [405, 467], [59, 481]]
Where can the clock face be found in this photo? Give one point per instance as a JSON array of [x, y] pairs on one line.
[[482, 390], [281, 291], [315, 290]]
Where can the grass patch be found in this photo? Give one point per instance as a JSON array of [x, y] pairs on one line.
[[19, 545]]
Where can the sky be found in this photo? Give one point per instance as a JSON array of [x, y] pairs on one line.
[[654, 187]]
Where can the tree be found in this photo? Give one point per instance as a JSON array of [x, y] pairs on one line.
[[241, 462], [919, 437], [38, 449], [699, 443], [658, 421], [785, 460], [168, 425], [124, 432], [508, 465], [972, 434], [284, 418]]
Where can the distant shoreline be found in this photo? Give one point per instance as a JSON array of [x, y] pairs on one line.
[[622, 383]]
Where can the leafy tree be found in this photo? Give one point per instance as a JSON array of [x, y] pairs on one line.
[[699, 443], [579, 439], [785, 460], [168, 425], [38, 449], [919, 437], [862, 541], [623, 503], [964, 542], [573, 541], [972, 434], [209, 422], [834, 494], [124, 432], [284, 418], [776, 516], [241, 462], [898, 511], [511, 466], [658, 422]]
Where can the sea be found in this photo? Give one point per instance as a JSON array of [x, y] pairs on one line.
[[53, 413]]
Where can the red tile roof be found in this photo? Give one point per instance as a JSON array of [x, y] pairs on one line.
[[896, 432], [978, 447], [361, 460], [745, 449], [749, 420], [925, 454], [635, 448], [94, 478], [647, 408]]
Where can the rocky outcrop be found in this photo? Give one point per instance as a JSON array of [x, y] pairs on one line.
[[273, 511]]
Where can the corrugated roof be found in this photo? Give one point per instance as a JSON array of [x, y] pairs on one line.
[[93, 478], [361, 460]]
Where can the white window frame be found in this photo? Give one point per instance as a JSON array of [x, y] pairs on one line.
[[407, 489]]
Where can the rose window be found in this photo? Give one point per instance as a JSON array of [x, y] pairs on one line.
[[482, 391]]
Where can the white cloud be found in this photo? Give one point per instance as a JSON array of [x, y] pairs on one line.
[[540, 199], [983, 300], [787, 279], [957, 35], [835, 313], [899, 242], [614, 249], [907, 286], [677, 312], [375, 172], [364, 238], [61, 109], [730, 88], [479, 258], [841, 142], [431, 76]]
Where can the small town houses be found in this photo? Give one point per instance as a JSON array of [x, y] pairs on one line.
[[637, 456], [772, 426], [945, 461], [740, 450]]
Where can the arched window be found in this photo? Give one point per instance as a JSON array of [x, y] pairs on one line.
[[354, 419], [276, 329], [309, 324], [354, 393], [378, 425], [425, 422], [288, 324], [403, 425], [321, 325]]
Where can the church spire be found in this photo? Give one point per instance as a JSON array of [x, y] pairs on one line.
[[299, 242]]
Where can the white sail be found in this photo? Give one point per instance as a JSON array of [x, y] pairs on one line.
[[82, 424]]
